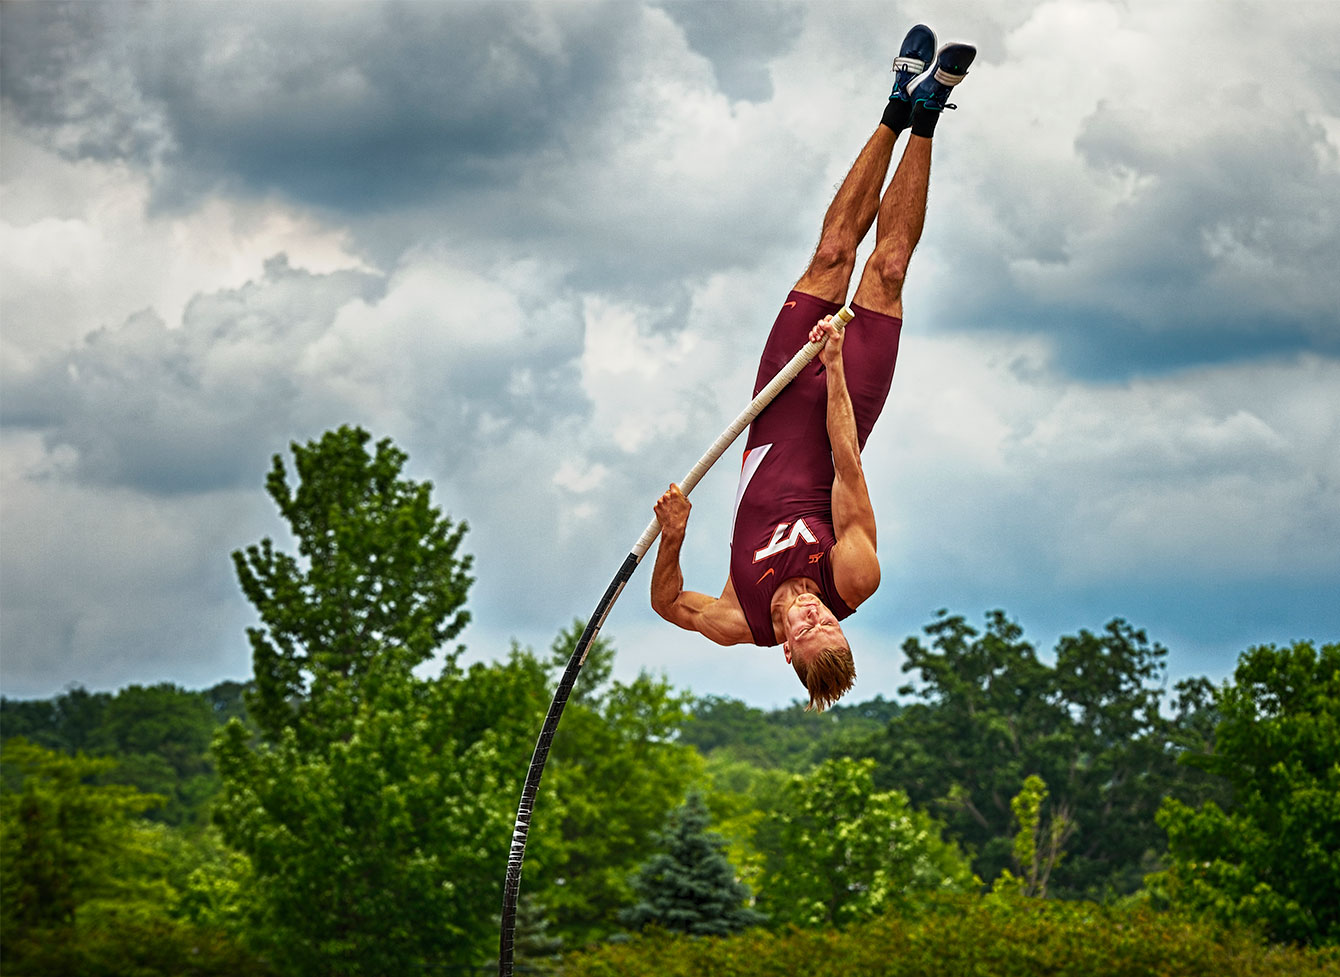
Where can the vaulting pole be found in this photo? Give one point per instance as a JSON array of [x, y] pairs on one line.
[[512, 884]]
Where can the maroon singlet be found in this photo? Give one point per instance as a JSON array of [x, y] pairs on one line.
[[783, 523]]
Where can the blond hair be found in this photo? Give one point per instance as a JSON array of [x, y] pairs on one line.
[[827, 675]]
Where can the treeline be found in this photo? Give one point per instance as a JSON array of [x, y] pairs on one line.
[[342, 814], [159, 737]]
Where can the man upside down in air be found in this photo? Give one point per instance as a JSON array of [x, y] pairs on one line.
[[803, 553]]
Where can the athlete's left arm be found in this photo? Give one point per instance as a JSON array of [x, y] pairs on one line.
[[855, 563]]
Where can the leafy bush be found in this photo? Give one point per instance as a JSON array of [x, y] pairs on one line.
[[128, 940], [958, 935]]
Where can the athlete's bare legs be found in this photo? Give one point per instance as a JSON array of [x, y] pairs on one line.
[[848, 219], [902, 215], [902, 211]]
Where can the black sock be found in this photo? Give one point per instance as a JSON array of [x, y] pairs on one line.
[[923, 121], [897, 114]]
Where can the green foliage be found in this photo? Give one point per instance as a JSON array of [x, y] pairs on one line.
[[367, 855], [690, 886], [375, 806], [65, 839], [967, 935], [1036, 849], [159, 736], [362, 808], [85, 885], [614, 774], [992, 713], [69, 722], [1275, 859], [838, 851], [741, 797], [378, 576], [536, 950], [127, 940], [788, 739]]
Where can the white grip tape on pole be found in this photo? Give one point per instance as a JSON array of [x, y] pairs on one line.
[[761, 400]]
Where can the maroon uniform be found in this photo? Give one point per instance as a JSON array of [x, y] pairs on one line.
[[783, 523]]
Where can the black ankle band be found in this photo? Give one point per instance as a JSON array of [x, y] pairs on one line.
[[897, 115], [923, 121]]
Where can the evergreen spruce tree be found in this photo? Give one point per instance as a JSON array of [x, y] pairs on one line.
[[537, 950], [690, 887]]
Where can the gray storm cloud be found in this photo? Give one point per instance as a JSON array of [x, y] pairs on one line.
[[539, 246]]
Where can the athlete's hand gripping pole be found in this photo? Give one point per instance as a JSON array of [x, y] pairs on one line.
[[764, 397], [512, 884]]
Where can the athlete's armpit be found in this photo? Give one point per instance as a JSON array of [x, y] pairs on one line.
[[719, 619]]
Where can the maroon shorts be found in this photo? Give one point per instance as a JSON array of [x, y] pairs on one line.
[[869, 352]]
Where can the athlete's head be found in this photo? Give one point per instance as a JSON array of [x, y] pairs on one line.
[[818, 650]]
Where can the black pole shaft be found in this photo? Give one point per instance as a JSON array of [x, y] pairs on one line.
[[512, 884]]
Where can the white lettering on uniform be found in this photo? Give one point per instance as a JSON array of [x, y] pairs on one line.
[[779, 544]]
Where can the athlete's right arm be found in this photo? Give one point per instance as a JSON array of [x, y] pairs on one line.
[[717, 618]]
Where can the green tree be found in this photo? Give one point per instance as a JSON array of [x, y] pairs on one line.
[[69, 722], [1037, 848], [614, 775], [690, 886], [741, 797], [64, 835], [837, 850], [369, 799], [378, 577], [86, 885], [1274, 860], [787, 739], [367, 856], [537, 950], [992, 713], [161, 737]]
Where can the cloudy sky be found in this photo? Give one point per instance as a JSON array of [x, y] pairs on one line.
[[539, 246]]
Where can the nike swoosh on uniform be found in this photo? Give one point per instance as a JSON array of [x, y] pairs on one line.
[[788, 305], [764, 577]]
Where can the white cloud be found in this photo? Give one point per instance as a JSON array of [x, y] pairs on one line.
[[990, 460], [80, 249], [552, 290]]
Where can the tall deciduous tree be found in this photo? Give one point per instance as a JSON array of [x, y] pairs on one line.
[[367, 803], [690, 886], [1275, 859], [379, 576]]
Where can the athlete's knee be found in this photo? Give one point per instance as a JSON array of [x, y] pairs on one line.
[[887, 270], [835, 253]]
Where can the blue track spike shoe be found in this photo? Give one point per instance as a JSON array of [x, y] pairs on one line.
[[916, 53], [930, 90]]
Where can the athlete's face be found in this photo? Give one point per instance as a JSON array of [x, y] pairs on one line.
[[809, 626]]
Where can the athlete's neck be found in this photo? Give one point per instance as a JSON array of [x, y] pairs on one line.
[[784, 596]]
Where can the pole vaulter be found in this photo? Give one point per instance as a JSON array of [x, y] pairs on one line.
[[796, 574], [512, 885]]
